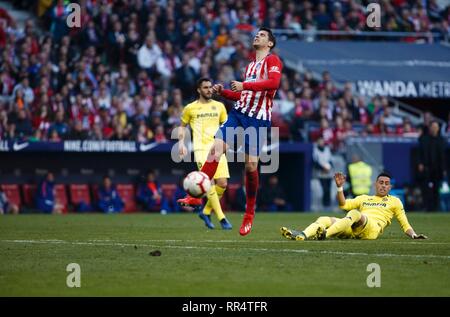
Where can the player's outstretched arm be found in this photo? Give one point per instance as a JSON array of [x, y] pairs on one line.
[[226, 93], [272, 83], [339, 179], [410, 233]]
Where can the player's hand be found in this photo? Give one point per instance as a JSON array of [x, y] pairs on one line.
[[237, 86], [182, 150], [339, 178], [419, 236], [217, 89]]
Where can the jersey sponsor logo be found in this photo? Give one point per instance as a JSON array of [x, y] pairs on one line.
[[251, 78], [374, 204], [207, 115]]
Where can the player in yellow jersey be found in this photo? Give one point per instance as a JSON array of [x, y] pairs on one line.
[[367, 216], [204, 116]]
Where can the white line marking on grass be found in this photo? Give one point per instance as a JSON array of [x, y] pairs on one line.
[[226, 248], [281, 241]]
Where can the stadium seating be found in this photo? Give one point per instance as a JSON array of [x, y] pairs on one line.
[[168, 190], [29, 191], [61, 196], [79, 193], [128, 193], [230, 195], [13, 193]]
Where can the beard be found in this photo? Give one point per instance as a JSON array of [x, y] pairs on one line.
[[207, 96]]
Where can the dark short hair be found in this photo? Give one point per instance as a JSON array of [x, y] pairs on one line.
[[385, 174], [202, 80], [271, 36]]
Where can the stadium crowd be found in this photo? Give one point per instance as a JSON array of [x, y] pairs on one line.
[[126, 73], [128, 70]]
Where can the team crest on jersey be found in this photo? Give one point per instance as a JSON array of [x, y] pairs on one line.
[[213, 107], [258, 66], [385, 199]]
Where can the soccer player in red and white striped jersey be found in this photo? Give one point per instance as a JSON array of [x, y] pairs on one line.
[[253, 107]]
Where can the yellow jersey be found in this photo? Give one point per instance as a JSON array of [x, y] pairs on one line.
[[380, 209], [204, 119]]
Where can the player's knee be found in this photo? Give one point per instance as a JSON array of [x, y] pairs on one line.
[[222, 182], [327, 221], [355, 215]]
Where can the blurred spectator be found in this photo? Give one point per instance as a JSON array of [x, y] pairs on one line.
[[23, 126], [7, 207], [432, 165], [59, 126], [149, 194], [109, 200], [322, 169], [272, 197], [390, 118], [148, 54], [126, 54], [360, 176], [45, 196]]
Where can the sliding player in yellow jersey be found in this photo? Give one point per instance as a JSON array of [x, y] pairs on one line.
[[204, 116], [367, 216]]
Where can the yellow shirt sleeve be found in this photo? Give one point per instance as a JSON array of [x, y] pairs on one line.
[[400, 214], [354, 203], [186, 115], [223, 114]]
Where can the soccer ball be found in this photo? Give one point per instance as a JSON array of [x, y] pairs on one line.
[[197, 184]]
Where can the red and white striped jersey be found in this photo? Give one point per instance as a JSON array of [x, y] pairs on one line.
[[261, 81]]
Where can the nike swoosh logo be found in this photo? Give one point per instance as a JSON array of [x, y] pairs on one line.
[[18, 147], [147, 147], [271, 147]]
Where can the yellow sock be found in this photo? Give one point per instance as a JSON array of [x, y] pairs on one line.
[[218, 209], [311, 230], [208, 206], [207, 209], [344, 224]]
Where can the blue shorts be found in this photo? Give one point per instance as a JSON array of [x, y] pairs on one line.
[[253, 132]]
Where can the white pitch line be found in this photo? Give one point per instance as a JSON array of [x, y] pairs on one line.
[[281, 241], [222, 248]]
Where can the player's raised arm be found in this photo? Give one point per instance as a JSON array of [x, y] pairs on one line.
[[339, 179]]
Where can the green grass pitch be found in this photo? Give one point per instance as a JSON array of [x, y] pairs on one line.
[[113, 254]]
